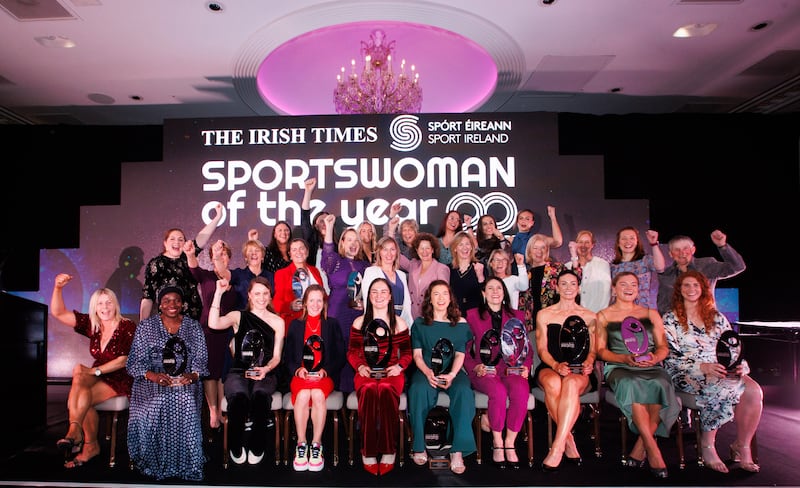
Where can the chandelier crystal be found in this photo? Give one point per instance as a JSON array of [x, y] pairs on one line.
[[377, 90]]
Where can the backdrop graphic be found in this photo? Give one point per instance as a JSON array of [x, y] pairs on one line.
[[492, 163]]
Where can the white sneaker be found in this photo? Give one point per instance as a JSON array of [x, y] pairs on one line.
[[315, 460], [252, 458], [241, 458], [300, 462]]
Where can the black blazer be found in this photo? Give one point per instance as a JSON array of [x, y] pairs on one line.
[[334, 353]]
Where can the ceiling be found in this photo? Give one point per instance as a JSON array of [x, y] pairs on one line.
[[140, 62]]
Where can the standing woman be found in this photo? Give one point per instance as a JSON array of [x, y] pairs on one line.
[[339, 265], [562, 388], [285, 302], [165, 438], [368, 236], [253, 252], [423, 268], [216, 340], [489, 238], [543, 273], [450, 226], [310, 391], [313, 230], [249, 391], [693, 327], [466, 273], [643, 389], [110, 336], [629, 255], [500, 266], [501, 388], [441, 319], [278, 253], [379, 399], [387, 265]]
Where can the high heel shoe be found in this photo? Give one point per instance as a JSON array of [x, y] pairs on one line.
[[513, 464], [496, 463], [736, 457], [633, 463], [714, 465], [660, 473], [69, 446], [577, 461]]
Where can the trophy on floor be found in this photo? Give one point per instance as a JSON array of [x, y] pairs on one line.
[[377, 347], [252, 352], [442, 356], [312, 355], [515, 345], [438, 432], [729, 352], [174, 358], [356, 301], [574, 343], [490, 352], [635, 338]]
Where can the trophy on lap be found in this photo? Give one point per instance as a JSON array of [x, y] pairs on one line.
[[174, 358], [312, 355], [438, 431], [574, 343], [252, 352], [729, 353], [515, 345], [490, 352], [377, 347], [635, 338], [442, 356]]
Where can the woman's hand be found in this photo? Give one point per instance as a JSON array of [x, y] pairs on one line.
[[715, 370], [62, 279]]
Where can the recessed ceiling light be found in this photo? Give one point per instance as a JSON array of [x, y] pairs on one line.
[[55, 41], [695, 30]]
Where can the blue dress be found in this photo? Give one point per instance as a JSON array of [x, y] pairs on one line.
[[165, 438]]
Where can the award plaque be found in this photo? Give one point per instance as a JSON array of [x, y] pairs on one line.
[[635, 338], [515, 345], [252, 352], [442, 356], [312, 355], [356, 301], [574, 343], [438, 431], [490, 353], [299, 282], [377, 347], [174, 358], [729, 352]]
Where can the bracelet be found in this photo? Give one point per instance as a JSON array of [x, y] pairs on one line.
[[654, 245]]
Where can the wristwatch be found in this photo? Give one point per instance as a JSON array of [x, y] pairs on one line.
[[97, 372]]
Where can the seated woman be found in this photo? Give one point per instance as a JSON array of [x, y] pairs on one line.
[[165, 438], [249, 387], [310, 389], [642, 388], [110, 336], [501, 388], [379, 398], [693, 327], [563, 388], [441, 319]]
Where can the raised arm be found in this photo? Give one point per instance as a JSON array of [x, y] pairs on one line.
[[229, 319], [206, 232], [557, 239], [658, 257], [57, 307]]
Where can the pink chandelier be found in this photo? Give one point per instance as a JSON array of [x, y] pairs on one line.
[[377, 90]]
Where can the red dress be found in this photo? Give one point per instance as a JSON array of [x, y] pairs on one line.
[[119, 345], [313, 326]]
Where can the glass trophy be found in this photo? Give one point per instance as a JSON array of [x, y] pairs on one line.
[[438, 432], [635, 338], [490, 353], [442, 356], [252, 352], [377, 347], [574, 343], [312, 355], [299, 282], [174, 358], [356, 300], [729, 353], [515, 345]]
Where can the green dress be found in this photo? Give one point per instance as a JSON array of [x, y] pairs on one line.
[[422, 397], [640, 385]]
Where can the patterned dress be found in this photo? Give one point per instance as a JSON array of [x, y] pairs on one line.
[[541, 292], [162, 271], [644, 269], [119, 345], [717, 397], [165, 438]]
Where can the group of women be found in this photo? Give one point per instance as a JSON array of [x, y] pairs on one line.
[[293, 326]]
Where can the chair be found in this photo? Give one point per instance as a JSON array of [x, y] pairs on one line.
[[482, 404], [352, 409], [276, 405], [112, 408], [623, 423], [689, 403], [334, 404], [590, 399]]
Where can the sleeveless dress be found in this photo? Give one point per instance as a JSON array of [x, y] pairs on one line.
[[553, 339]]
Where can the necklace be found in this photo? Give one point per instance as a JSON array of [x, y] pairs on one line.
[[461, 274], [314, 325]]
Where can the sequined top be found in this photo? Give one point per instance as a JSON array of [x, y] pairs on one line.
[[118, 345], [162, 271]]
